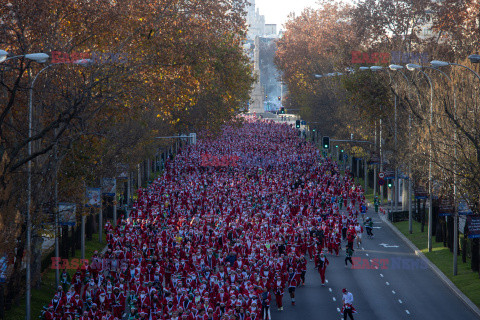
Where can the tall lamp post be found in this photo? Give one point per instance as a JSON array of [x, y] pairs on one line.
[[380, 150], [40, 58], [394, 204], [474, 58], [412, 67], [29, 188], [410, 218]]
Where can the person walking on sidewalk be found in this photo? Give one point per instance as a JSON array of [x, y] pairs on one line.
[[347, 308], [348, 257]]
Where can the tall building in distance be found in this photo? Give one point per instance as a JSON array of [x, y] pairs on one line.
[[255, 21], [261, 47]]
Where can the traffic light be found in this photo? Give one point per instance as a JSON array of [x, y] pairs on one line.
[[297, 124], [282, 110], [279, 98], [389, 184], [326, 142], [313, 130]]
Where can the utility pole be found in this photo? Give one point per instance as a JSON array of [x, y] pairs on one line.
[[381, 160], [82, 228], [365, 173], [409, 198], [395, 181], [375, 165]]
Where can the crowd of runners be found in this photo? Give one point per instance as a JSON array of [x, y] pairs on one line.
[[221, 240]]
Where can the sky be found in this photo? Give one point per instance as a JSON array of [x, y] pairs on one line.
[[276, 11]]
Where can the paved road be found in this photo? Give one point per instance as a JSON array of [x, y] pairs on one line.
[[401, 287]]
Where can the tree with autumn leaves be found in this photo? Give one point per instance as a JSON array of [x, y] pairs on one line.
[[342, 38], [161, 67]]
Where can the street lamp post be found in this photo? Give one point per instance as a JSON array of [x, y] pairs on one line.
[[436, 64], [37, 57], [430, 213], [380, 151], [410, 218], [29, 187], [393, 204], [40, 58], [474, 58]]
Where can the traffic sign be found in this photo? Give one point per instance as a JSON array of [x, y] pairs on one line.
[[381, 175], [381, 182], [445, 208], [420, 193], [389, 174]]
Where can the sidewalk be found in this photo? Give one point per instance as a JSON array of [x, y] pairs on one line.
[[432, 266]]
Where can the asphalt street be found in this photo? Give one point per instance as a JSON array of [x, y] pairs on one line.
[[388, 281]]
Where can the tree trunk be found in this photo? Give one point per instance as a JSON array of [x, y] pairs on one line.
[[475, 249], [65, 240], [450, 233], [36, 261], [72, 241], [15, 287], [89, 227], [2, 301], [438, 227], [423, 216]]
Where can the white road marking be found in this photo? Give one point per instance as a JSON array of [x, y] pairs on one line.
[[408, 312], [334, 299], [393, 292], [387, 283], [381, 275], [387, 245], [338, 309], [326, 280], [330, 289], [363, 248], [376, 268], [366, 254], [400, 301]]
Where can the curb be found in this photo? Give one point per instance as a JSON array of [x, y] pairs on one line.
[[432, 266]]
